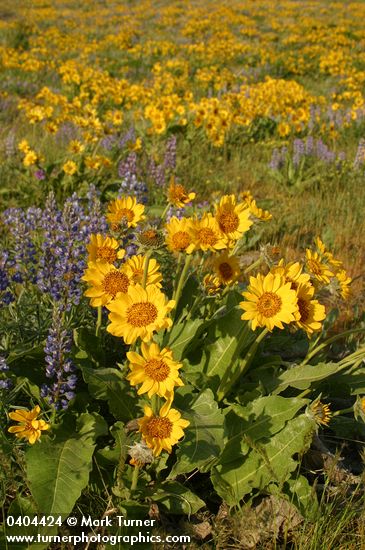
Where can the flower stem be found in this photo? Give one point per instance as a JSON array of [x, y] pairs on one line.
[[182, 281], [145, 268], [329, 341], [98, 322], [343, 411], [164, 214], [135, 478], [253, 266]]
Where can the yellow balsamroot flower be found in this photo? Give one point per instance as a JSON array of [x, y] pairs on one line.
[[334, 263], [227, 269], [29, 428], [163, 431], [76, 146], [125, 210], [311, 312], [70, 167], [207, 234], [319, 270], [320, 412], [258, 213], [233, 219], [139, 313], [178, 196], [283, 129], [269, 302], [180, 235], [30, 158], [212, 284], [104, 249], [155, 369], [292, 272], [134, 267], [105, 281], [344, 282], [23, 146]]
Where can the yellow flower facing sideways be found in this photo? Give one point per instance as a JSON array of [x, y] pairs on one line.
[[269, 302], [155, 369], [292, 273], [163, 431], [139, 313], [125, 211], [29, 427], [104, 249], [311, 312], [319, 270], [105, 281], [178, 196]]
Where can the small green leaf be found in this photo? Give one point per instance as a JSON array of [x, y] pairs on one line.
[[303, 496], [115, 454], [302, 377], [21, 507], [176, 498]]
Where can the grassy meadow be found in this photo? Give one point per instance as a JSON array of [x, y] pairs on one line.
[[182, 272]]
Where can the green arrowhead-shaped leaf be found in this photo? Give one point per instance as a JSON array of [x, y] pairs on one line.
[[302, 377], [110, 385], [269, 462], [177, 498], [58, 469], [260, 419], [203, 439]]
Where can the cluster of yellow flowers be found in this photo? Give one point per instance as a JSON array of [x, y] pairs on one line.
[[138, 307], [162, 78]]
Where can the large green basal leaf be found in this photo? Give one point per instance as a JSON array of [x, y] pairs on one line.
[[58, 468], [260, 419], [203, 441], [224, 351], [268, 462], [183, 335]]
